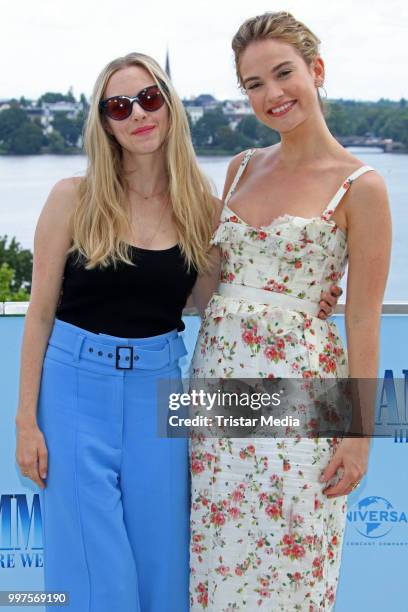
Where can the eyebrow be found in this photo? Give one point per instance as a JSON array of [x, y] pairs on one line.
[[275, 69]]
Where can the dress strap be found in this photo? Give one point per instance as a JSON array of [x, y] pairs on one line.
[[334, 202], [239, 173]]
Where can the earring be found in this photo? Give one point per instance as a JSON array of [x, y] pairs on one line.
[[320, 85]]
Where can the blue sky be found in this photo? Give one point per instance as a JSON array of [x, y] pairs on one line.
[[51, 45]]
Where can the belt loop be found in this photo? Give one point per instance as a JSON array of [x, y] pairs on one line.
[[77, 348], [171, 350]]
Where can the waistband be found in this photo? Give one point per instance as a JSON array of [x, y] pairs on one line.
[[151, 353], [262, 296]]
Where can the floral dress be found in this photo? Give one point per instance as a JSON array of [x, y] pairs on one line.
[[263, 535]]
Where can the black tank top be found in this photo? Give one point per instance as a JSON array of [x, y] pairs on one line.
[[130, 301]]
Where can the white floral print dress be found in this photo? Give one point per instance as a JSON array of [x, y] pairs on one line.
[[263, 535]]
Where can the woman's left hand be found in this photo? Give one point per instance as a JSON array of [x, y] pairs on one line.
[[352, 456]]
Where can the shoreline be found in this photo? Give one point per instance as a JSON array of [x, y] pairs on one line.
[[198, 152]]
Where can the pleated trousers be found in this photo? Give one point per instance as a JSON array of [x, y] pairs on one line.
[[115, 508]]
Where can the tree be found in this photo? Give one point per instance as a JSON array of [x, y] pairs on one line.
[[26, 140], [266, 136], [205, 129], [19, 260], [232, 140], [10, 120], [84, 102], [249, 126], [396, 127], [6, 281], [55, 143], [338, 120], [51, 97], [70, 129]]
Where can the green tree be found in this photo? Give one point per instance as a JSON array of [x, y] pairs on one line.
[[19, 260], [55, 143], [6, 281], [27, 139], [232, 140], [10, 120], [51, 97], [396, 127], [204, 131], [266, 136], [249, 127], [70, 129], [338, 120]]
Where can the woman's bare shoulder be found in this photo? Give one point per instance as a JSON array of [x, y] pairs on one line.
[[59, 207], [63, 195], [67, 187], [368, 197]]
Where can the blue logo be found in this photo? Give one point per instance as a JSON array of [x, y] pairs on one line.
[[374, 517], [20, 522]]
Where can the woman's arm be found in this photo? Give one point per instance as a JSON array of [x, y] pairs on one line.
[[206, 284], [51, 242], [369, 245]]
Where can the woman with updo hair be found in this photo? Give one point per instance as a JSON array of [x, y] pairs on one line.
[[269, 514]]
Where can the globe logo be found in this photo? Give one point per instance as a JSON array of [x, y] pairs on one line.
[[374, 517]]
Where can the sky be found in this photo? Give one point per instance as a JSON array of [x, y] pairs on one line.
[[51, 45]]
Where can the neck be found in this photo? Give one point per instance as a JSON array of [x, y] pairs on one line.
[[307, 143], [145, 173]]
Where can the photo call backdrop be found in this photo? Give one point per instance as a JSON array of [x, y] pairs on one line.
[[61, 47], [376, 540]]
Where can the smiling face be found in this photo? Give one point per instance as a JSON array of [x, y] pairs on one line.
[[142, 132], [281, 87]]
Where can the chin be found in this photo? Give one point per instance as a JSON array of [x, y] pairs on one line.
[[146, 148], [283, 127]]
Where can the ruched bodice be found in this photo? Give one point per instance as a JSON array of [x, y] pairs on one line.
[[297, 256], [293, 255]]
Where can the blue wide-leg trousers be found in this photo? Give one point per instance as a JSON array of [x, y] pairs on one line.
[[116, 503]]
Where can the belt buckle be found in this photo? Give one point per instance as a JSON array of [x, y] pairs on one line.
[[130, 357]]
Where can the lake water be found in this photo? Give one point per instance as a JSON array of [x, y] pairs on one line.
[[26, 181]]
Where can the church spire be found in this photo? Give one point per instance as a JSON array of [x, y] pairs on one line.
[[168, 71]]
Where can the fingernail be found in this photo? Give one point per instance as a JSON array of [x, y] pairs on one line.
[[322, 478], [44, 475]]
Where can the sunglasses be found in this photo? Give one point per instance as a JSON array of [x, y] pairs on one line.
[[120, 107]]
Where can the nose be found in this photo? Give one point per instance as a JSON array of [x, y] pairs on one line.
[[137, 111], [274, 92]]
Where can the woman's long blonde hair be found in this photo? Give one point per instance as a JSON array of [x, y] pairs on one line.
[[101, 219]]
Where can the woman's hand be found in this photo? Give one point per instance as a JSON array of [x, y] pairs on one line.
[[328, 301], [352, 456], [31, 453]]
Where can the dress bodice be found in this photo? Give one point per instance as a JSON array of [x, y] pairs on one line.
[[293, 255]]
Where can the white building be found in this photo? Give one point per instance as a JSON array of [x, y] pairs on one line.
[[195, 112], [236, 110]]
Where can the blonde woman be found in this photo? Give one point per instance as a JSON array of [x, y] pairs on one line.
[[268, 515], [125, 244]]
